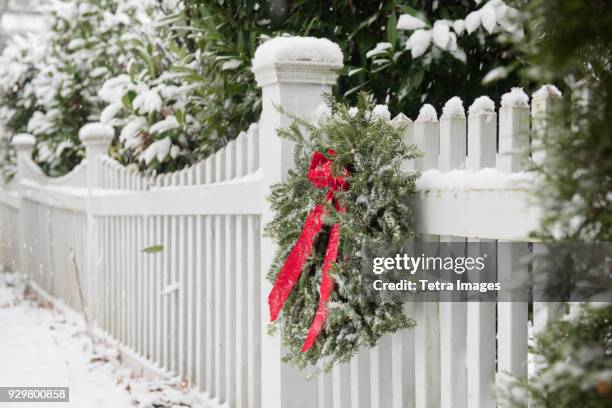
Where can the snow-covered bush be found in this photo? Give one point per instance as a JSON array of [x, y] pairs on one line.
[[89, 42], [50, 82], [575, 363], [17, 98], [152, 104], [156, 130]]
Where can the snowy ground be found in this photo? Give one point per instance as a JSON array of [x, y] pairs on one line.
[[42, 346]]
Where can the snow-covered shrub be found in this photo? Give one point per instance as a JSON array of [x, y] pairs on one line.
[[156, 130], [50, 82], [89, 42], [153, 104], [574, 363], [17, 98]]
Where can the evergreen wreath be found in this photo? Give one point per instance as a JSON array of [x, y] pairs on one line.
[[366, 151]]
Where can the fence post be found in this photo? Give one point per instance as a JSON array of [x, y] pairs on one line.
[[96, 138], [289, 78], [24, 145]]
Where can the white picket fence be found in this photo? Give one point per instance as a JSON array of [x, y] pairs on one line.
[[196, 306]]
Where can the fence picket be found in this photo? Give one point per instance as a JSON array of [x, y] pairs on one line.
[[512, 316], [481, 324]]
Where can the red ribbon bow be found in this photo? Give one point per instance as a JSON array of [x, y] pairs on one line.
[[320, 174]]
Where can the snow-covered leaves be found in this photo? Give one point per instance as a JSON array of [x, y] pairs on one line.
[[493, 17], [148, 101], [149, 115], [408, 22], [52, 79], [419, 42]]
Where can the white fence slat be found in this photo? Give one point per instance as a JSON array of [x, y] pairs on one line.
[[453, 321], [182, 295], [241, 299], [157, 291], [481, 333], [360, 380], [107, 271], [211, 313], [452, 143], [341, 389], [402, 364], [230, 307], [174, 295], [229, 158], [512, 316], [401, 121], [133, 266], [513, 138], [166, 298], [482, 135], [427, 139], [220, 314], [253, 315], [324, 390], [543, 105], [252, 148], [381, 374], [151, 298], [241, 147], [543, 312], [201, 331], [190, 300], [481, 323]]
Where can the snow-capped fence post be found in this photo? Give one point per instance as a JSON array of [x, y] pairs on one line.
[[24, 146], [96, 138], [293, 73]]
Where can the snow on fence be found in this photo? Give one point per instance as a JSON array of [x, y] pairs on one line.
[[173, 266]]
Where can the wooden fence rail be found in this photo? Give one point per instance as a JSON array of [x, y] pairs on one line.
[[173, 266]]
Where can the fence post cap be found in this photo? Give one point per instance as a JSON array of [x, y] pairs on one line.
[[297, 60], [96, 134], [23, 141]]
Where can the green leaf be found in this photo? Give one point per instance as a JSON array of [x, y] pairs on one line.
[[180, 117], [153, 249], [127, 99], [392, 30]]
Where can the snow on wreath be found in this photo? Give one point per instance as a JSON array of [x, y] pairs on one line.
[[347, 189]]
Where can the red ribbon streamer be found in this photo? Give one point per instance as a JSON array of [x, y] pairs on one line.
[[320, 174]]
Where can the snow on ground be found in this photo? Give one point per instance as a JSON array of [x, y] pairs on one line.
[[43, 346]]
